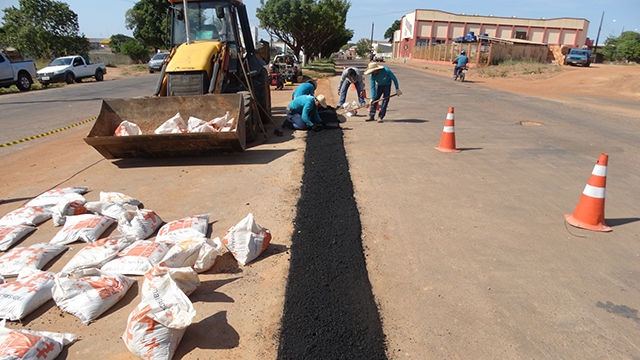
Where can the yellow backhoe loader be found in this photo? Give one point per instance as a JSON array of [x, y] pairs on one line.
[[213, 67]]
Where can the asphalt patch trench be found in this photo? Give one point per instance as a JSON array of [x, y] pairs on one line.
[[329, 309]]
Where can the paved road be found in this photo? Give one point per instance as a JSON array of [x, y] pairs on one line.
[[468, 253], [36, 112]]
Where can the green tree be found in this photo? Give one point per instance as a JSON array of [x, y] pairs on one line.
[[389, 33], [117, 40], [624, 47], [363, 47], [43, 29], [305, 24], [135, 50], [336, 42], [148, 20]]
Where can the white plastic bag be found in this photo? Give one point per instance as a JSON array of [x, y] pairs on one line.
[[174, 125], [220, 122], [247, 240], [10, 234], [142, 223], [52, 197], [120, 198], [185, 228], [185, 277], [113, 210], [27, 215], [69, 205], [31, 345], [28, 292], [137, 258], [97, 254], [208, 254], [194, 122], [127, 128], [156, 326], [33, 257], [88, 293], [183, 253], [87, 228]]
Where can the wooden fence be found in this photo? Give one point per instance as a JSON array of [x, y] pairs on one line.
[[483, 54]]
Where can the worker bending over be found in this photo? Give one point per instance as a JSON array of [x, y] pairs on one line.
[[350, 76], [307, 88]]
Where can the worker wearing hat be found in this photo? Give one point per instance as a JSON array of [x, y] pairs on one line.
[[307, 88], [302, 112], [381, 78]]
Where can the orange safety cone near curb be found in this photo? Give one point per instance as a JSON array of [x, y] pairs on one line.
[[589, 213], [448, 140]]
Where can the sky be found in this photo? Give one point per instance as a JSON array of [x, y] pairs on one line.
[[101, 19]]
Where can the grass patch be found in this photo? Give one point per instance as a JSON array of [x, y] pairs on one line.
[[517, 68], [320, 68]]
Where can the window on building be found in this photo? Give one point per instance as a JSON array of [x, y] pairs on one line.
[[522, 35], [422, 42]]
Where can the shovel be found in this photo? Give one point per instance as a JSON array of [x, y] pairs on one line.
[[346, 110]]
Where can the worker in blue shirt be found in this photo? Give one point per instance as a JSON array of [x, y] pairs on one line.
[[460, 61], [302, 112], [307, 88], [381, 78]]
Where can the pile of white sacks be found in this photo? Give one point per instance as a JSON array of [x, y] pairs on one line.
[[98, 276], [177, 125]]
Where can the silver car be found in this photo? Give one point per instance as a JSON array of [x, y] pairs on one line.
[[157, 61]]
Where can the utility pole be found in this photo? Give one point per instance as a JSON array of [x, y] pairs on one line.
[[595, 47], [371, 42]]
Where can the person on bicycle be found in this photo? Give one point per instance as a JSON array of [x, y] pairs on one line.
[[460, 61]]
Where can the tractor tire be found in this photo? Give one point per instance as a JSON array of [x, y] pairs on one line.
[[263, 95], [250, 117]]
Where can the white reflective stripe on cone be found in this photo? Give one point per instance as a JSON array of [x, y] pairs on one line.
[[594, 192], [449, 129], [599, 170], [449, 116]]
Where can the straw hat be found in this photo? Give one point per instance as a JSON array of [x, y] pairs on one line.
[[373, 67], [322, 100]]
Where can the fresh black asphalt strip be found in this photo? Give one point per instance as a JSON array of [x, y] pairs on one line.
[[329, 309]]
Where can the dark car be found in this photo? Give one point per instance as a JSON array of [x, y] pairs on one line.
[[157, 61]]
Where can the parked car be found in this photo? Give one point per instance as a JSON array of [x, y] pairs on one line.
[[156, 62], [290, 61], [70, 69], [16, 71]]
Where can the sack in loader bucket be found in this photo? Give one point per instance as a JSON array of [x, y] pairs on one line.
[[127, 128]]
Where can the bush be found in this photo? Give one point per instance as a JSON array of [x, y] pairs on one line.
[[135, 50]]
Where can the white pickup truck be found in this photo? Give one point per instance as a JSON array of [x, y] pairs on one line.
[[70, 69], [18, 73]]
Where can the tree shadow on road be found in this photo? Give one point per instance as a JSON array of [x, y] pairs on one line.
[[622, 310]]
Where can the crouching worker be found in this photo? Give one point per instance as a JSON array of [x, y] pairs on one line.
[[307, 88], [302, 113]]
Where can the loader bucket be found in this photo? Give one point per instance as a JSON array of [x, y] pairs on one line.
[[150, 113]]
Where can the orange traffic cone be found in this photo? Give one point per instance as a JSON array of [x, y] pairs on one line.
[[448, 140], [589, 213]]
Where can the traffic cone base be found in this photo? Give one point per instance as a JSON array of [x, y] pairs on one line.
[[582, 225], [589, 213], [441, 149], [448, 140]]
